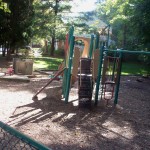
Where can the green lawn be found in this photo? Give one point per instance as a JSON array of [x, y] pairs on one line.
[[128, 68], [132, 68], [47, 63]]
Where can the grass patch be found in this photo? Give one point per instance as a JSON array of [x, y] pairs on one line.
[[133, 68], [47, 63], [128, 68]]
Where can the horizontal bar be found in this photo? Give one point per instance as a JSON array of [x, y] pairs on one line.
[[127, 51], [23, 137]]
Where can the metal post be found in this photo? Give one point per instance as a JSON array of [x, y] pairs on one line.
[[114, 64], [99, 74], [118, 82], [91, 46], [69, 69], [71, 31]]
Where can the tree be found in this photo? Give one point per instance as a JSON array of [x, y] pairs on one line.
[[118, 14], [48, 21], [17, 24], [20, 23], [4, 27], [141, 22]]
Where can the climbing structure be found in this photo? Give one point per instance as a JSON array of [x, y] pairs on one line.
[[85, 82], [90, 67]]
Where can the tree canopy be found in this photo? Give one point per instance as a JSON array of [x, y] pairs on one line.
[[129, 20], [16, 23], [24, 20]]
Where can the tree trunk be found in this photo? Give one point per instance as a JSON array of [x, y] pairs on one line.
[[125, 31], [12, 50], [52, 46], [54, 32], [46, 46], [3, 51], [124, 36], [8, 54], [9, 49]]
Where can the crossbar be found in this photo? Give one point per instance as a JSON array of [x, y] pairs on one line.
[[127, 51]]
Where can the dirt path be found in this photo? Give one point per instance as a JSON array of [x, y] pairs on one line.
[[66, 127]]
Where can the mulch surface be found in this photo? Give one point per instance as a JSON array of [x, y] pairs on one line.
[[66, 126], [63, 126]]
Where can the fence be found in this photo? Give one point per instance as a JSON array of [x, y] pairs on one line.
[[11, 139]]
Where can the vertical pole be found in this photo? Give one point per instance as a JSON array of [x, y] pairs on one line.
[[71, 30], [118, 81], [99, 74], [91, 46], [69, 69], [114, 64], [71, 33]]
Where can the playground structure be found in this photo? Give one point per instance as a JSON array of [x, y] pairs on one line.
[[97, 69]]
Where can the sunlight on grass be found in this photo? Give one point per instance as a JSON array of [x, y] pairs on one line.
[[40, 64], [128, 68], [47, 63]]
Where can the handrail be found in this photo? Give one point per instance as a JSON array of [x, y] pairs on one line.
[[128, 51]]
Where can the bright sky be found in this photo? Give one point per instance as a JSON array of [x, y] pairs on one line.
[[83, 5]]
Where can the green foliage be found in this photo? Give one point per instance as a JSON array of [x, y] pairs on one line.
[[4, 17], [20, 22], [129, 20], [48, 21], [141, 21], [16, 23], [133, 68]]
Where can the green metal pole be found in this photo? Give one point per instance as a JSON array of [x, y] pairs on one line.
[[91, 46], [114, 64], [99, 75], [118, 82], [129, 52], [71, 31], [23, 137], [64, 82], [69, 69]]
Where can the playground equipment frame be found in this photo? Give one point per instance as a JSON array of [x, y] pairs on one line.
[[98, 82]]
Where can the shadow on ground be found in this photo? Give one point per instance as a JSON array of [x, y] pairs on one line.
[[65, 126]]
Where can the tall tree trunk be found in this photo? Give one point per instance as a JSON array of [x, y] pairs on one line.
[[8, 54], [54, 32], [12, 50], [9, 49], [125, 31], [125, 36], [46, 46], [3, 51], [52, 46]]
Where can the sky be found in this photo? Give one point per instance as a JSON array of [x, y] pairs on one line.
[[83, 5]]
